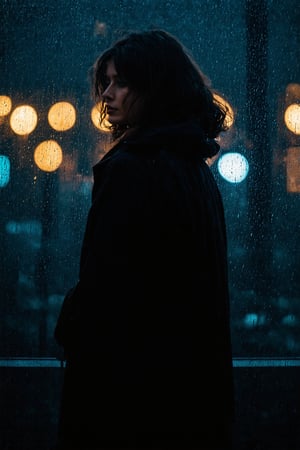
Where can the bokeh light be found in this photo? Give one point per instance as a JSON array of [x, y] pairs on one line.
[[23, 119], [62, 116], [95, 116], [233, 167], [292, 118], [48, 155], [4, 170], [5, 105], [293, 169]]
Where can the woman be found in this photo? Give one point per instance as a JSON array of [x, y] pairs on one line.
[[146, 330]]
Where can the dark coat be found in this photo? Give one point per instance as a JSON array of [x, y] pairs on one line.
[[146, 330]]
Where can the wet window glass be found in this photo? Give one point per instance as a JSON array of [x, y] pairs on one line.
[[50, 139]]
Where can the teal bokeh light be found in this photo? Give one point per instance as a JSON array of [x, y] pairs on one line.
[[4, 170], [233, 167]]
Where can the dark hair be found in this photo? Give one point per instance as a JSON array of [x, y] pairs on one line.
[[166, 79]]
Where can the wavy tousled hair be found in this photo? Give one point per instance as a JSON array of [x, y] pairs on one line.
[[168, 84]]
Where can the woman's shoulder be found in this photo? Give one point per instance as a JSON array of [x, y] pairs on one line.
[[125, 164]]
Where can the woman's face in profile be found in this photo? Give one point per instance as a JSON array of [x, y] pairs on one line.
[[116, 96]]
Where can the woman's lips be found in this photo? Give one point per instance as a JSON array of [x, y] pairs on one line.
[[110, 110]]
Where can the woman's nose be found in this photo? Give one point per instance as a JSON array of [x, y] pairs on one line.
[[108, 93]]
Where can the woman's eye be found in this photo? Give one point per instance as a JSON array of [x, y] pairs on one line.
[[119, 82]]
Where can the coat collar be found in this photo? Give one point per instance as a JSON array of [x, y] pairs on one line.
[[186, 138]]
